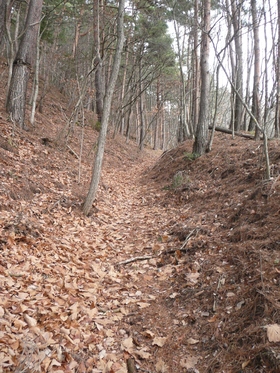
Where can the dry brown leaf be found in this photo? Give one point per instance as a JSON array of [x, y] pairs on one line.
[[143, 354], [148, 334], [161, 367], [212, 319], [29, 320], [159, 341], [193, 277], [127, 344], [192, 341], [245, 364], [189, 362], [273, 332]]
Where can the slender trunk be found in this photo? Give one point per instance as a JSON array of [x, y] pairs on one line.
[[96, 173], [122, 122], [196, 72], [257, 69], [77, 32], [277, 112], [236, 22], [180, 47], [99, 85], [201, 138], [36, 82], [157, 119], [247, 98], [141, 109]]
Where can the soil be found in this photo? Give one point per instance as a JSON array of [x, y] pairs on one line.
[[177, 268]]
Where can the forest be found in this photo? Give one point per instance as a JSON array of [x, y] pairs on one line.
[[178, 58], [140, 188]]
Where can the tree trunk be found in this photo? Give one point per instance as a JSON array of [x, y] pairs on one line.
[[180, 41], [201, 138], [141, 109], [196, 73], [257, 70], [106, 113], [277, 112], [23, 63], [99, 85], [238, 68], [2, 17], [36, 82]]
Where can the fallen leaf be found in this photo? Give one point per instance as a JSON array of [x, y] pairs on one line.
[[193, 277], [173, 296], [30, 320], [159, 341], [230, 294], [161, 367], [143, 354], [273, 332], [245, 364], [192, 341], [189, 362], [213, 318], [127, 343], [148, 334]]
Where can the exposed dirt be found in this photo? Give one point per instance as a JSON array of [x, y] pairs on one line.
[[205, 299]]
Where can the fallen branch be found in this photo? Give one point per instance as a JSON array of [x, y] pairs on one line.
[[131, 260], [182, 248], [226, 130], [130, 366]]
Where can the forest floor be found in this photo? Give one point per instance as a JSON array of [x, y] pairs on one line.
[[177, 267]]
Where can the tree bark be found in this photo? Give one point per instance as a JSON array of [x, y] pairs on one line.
[[201, 138], [23, 63], [106, 113]]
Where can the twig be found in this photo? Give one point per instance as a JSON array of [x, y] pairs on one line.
[[130, 366], [182, 248], [73, 152], [136, 259]]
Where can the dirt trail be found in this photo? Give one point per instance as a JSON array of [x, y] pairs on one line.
[[65, 304]]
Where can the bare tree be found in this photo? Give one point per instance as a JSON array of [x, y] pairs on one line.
[[23, 63], [96, 173]]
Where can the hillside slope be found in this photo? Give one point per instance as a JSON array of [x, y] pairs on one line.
[[177, 267]]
